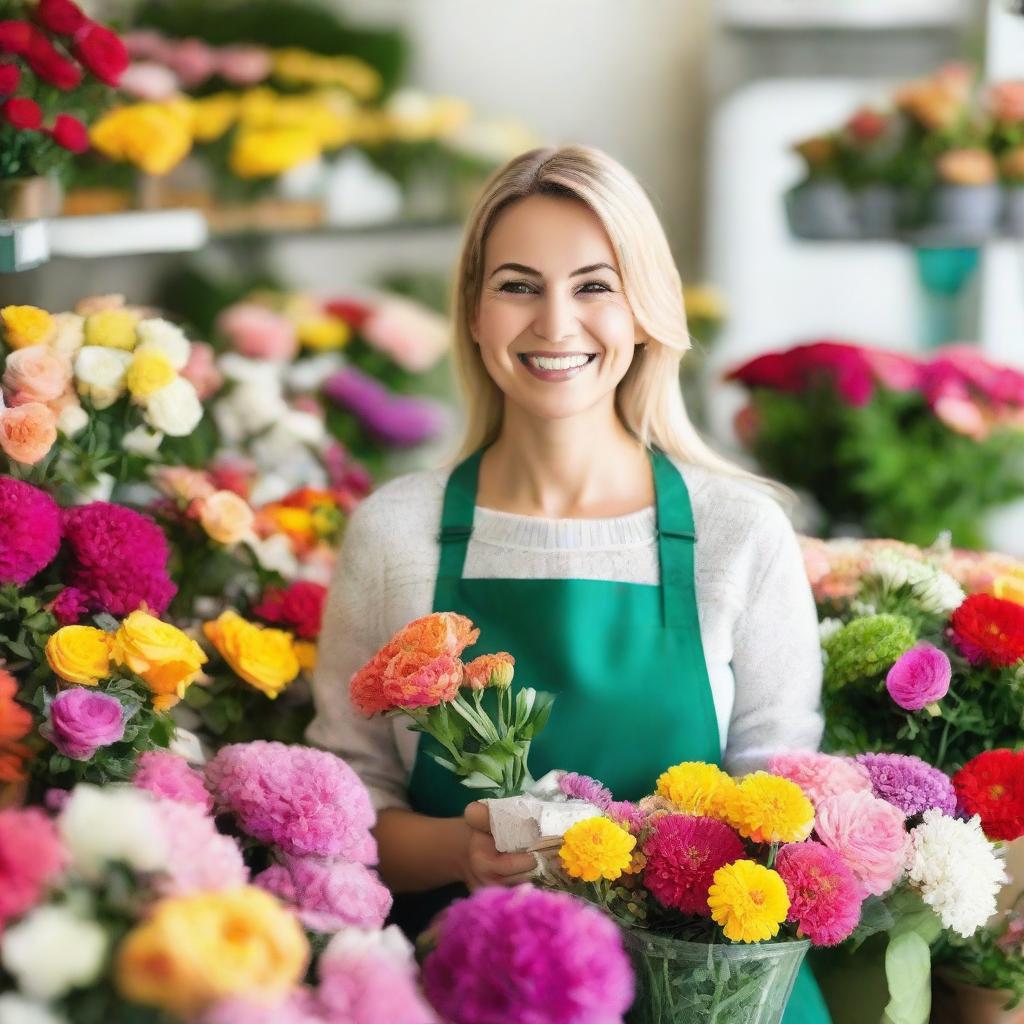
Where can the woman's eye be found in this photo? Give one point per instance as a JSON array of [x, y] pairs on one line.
[[598, 286], [525, 288], [516, 287]]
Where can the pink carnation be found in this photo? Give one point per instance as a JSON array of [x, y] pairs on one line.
[[29, 530], [920, 677], [258, 332], [869, 834], [820, 775], [200, 858], [170, 777], [306, 801], [118, 558], [328, 895], [31, 856], [824, 895]]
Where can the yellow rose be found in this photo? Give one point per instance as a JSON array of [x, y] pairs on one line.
[[194, 950], [112, 328], [79, 654], [26, 325], [323, 333], [267, 152], [167, 659], [155, 137], [213, 115], [226, 517], [305, 654], [150, 371], [263, 657]]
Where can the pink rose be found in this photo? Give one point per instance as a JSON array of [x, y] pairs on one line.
[[920, 677], [192, 60], [962, 416], [413, 336], [36, 374], [201, 370], [258, 333], [27, 432], [244, 65], [81, 720], [147, 80]]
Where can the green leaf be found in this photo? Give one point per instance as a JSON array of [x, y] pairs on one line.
[[908, 972]]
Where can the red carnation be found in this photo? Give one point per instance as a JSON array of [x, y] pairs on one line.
[[299, 606], [69, 133], [60, 16], [50, 66], [989, 629], [16, 36], [22, 113], [992, 785], [9, 78], [102, 52], [353, 313]]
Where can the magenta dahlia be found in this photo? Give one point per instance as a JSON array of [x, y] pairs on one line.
[[29, 530]]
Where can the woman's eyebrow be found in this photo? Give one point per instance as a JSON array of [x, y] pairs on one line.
[[521, 268]]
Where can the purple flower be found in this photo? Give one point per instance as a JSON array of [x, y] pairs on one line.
[[527, 955], [169, 776], [920, 677], [398, 420], [29, 530], [909, 783], [583, 787], [82, 720]]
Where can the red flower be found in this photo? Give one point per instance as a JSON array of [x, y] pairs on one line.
[[60, 16], [9, 78], [16, 36], [21, 113], [300, 607], [69, 133], [353, 313], [867, 124], [102, 52], [989, 629], [50, 66], [992, 785]]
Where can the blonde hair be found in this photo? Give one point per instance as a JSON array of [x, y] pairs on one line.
[[649, 399]]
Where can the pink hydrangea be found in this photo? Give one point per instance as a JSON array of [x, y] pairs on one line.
[[824, 896], [869, 834], [820, 775], [118, 558], [29, 530], [31, 856], [200, 858], [327, 895], [306, 801], [171, 777]]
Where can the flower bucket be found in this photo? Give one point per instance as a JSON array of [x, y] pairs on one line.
[[880, 210], [821, 210], [29, 198], [967, 212], [679, 982], [1013, 210]]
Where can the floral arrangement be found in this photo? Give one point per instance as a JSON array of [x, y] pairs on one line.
[[853, 426]]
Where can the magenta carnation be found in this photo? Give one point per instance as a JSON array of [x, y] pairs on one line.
[[29, 530], [583, 787], [869, 834], [909, 783], [81, 720], [528, 955], [31, 856], [328, 895], [118, 558], [824, 895], [200, 858], [683, 853], [171, 777], [306, 801], [820, 775], [919, 677], [69, 606]]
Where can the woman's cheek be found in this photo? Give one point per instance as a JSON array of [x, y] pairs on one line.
[[610, 323]]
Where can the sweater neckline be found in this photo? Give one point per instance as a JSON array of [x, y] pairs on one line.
[[538, 533]]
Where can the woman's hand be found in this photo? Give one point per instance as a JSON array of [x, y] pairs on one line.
[[483, 864]]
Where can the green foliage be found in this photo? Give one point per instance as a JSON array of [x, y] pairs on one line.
[[986, 959]]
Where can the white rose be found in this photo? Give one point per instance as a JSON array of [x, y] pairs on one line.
[[308, 375], [253, 405], [52, 950], [141, 441], [175, 409], [99, 490], [239, 368], [113, 823], [303, 426], [16, 1009], [69, 333], [274, 553], [163, 336], [100, 372], [72, 419]]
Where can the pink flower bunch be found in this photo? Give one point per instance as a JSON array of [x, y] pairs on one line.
[[170, 777], [200, 859], [193, 61], [408, 333], [118, 558], [259, 333], [824, 896], [31, 857], [820, 776], [29, 530]]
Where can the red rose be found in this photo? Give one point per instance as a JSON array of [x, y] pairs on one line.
[[15, 36], [991, 785], [69, 133], [989, 629], [353, 313], [299, 606], [867, 125], [50, 66], [61, 17], [102, 52], [22, 113], [9, 78]]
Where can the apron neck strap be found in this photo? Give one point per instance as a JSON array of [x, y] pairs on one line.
[[457, 516]]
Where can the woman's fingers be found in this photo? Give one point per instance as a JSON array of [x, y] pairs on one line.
[[478, 817]]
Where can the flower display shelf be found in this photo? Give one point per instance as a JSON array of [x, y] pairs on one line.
[[851, 15]]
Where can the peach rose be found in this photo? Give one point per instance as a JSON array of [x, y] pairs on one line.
[[226, 517], [967, 167], [36, 374], [27, 432]]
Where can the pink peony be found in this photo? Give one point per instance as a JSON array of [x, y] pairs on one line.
[[29, 530], [200, 859], [36, 374], [31, 857], [303, 800], [258, 333], [81, 720], [820, 775], [869, 834], [201, 370], [170, 777], [328, 895], [824, 896], [244, 65], [920, 677]]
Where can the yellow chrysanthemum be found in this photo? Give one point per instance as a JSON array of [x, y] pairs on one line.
[[149, 371], [749, 901], [26, 325], [596, 848], [323, 333], [112, 328], [769, 809], [695, 787]]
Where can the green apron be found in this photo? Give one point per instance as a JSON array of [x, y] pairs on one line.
[[624, 659]]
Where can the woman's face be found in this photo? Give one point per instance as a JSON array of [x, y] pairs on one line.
[[554, 328]]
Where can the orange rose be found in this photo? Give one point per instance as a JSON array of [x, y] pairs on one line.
[[27, 432], [36, 374]]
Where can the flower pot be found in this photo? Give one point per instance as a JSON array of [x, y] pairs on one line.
[[1013, 210], [821, 210], [983, 1005], [679, 982], [29, 198], [966, 212], [879, 210]]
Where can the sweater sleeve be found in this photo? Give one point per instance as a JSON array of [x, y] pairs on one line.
[[352, 633], [777, 662]]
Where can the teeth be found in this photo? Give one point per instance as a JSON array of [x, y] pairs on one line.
[[562, 363]]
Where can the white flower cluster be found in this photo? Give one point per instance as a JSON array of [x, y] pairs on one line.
[[935, 590]]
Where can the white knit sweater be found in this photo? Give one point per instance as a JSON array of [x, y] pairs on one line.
[[757, 617]]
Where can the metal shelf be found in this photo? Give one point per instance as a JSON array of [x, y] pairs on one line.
[[850, 15]]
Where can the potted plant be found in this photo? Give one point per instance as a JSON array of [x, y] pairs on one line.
[[966, 201], [872, 141], [821, 206]]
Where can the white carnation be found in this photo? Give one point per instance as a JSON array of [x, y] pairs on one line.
[[52, 950], [111, 824], [957, 871], [175, 408], [100, 372], [69, 333], [163, 336], [16, 1009], [141, 441], [72, 419]]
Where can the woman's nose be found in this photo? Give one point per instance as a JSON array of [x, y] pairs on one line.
[[556, 318]]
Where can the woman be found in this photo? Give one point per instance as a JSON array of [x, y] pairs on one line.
[[655, 588]]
